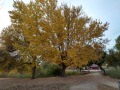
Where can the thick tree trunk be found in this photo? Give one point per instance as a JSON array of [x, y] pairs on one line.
[[33, 72], [63, 66], [63, 71], [102, 69]]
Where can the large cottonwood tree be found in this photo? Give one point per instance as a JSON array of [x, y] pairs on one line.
[[60, 34]]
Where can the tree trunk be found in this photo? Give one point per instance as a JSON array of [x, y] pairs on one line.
[[102, 69], [63, 67], [33, 72], [63, 71], [80, 69]]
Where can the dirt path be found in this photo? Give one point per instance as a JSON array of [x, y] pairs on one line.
[[97, 82], [85, 86], [81, 82]]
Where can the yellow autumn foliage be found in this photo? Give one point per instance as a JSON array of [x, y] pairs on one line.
[[60, 34]]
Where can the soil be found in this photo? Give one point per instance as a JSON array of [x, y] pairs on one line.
[[93, 81]]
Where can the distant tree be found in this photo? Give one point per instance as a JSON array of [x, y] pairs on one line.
[[63, 35], [114, 54], [118, 57], [117, 45], [113, 58]]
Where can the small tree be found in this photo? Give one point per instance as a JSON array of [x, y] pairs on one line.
[[114, 54], [113, 58], [117, 45]]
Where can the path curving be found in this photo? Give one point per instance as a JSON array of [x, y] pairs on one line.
[[97, 82]]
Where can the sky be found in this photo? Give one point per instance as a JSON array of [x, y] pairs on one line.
[[104, 10]]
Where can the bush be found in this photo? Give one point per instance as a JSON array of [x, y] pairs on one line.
[[113, 73], [51, 70], [38, 71]]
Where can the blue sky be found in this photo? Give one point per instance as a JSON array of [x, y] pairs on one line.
[[105, 10]]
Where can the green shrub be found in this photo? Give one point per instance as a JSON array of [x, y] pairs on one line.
[[38, 71], [113, 73], [51, 70]]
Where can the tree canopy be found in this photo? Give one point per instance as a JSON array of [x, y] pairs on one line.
[[117, 45], [114, 54], [59, 34]]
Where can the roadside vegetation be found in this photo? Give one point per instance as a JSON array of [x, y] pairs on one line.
[[47, 70], [113, 60], [113, 72]]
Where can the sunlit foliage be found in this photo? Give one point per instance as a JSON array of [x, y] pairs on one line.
[[60, 34]]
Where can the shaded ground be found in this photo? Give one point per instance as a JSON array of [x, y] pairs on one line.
[[93, 81]]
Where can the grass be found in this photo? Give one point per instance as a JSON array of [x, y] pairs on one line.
[[46, 73], [71, 72], [16, 75], [113, 73]]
